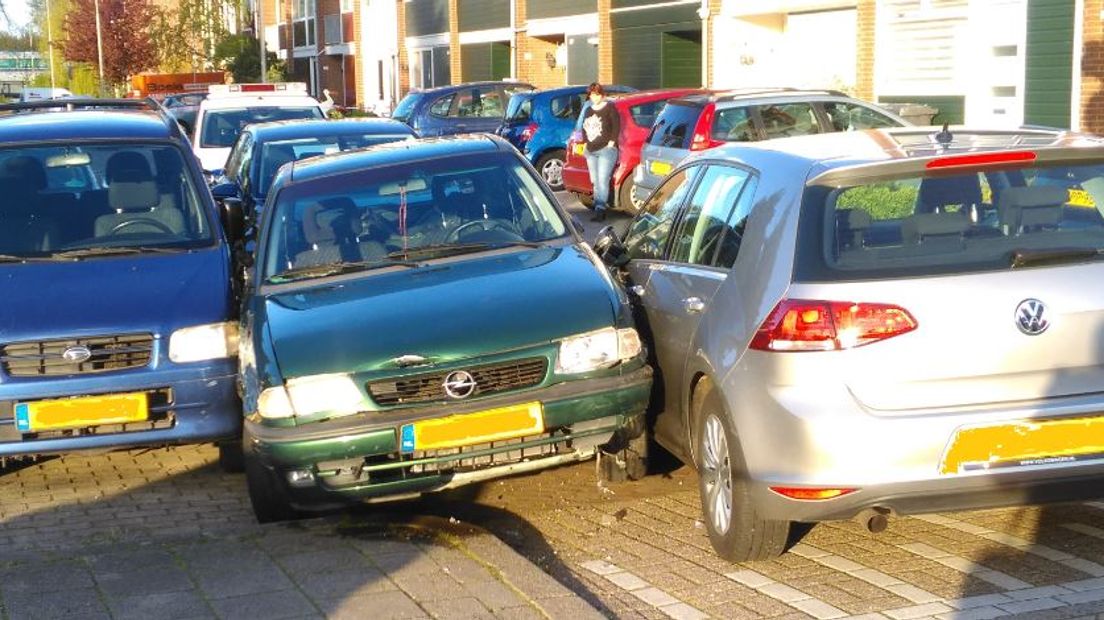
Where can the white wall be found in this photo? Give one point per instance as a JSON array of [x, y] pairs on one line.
[[378, 43]]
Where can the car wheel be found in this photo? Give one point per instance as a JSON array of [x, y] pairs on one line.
[[230, 458], [551, 165], [626, 200], [270, 502], [736, 531], [587, 200]]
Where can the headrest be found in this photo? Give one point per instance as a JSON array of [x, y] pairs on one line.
[[941, 191], [129, 167], [1033, 197], [132, 196], [329, 220], [920, 225], [853, 219], [25, 170]]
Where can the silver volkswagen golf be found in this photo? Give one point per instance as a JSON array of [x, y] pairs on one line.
[[866, 324]]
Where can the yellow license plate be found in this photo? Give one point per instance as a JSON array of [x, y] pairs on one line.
[[469, 429], [579, 148], [660, 168], [45, 415], [1080, 198], [1024, 443]]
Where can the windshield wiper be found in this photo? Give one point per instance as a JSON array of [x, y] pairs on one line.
[[332, 269], [460, 248], [114, 251], [12, 258], [1024, 257]]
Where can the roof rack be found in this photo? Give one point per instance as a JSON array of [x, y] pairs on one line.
[[69, 104]]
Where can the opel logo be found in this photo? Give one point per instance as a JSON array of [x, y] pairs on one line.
[[1031, 317], [459, 384], [77, 354]]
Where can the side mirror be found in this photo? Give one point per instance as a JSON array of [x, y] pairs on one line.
[[224, 190], [609, 247], [578, 224], [233, 220]]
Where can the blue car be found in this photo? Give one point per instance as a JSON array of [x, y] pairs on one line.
[[117, 328], [475, 107], [539, 123]]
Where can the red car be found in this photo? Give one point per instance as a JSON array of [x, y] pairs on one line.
[[638, 112]]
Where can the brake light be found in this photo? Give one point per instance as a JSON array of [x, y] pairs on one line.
[[703, 130], [810, 325], [981, 159], [807, 493], [529, 131]]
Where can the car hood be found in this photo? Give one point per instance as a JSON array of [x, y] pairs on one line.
[[446, 311], [154, 293]]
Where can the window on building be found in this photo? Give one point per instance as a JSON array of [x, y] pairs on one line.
[[304, 28], [346, 6]]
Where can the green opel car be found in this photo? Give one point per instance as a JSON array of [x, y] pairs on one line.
[[422, 316]]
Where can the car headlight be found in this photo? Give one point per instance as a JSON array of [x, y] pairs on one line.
[[304, 396], [204, 342], [598, 349]]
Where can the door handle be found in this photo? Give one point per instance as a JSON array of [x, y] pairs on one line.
[[693, 305]]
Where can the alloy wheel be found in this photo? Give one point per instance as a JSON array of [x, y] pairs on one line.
[[717, 475], [552, 171]]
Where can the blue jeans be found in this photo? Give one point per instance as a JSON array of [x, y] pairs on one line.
[[600, 165]]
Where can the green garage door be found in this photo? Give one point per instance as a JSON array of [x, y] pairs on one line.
[[681, 59], [485, 61], [1049, 74]]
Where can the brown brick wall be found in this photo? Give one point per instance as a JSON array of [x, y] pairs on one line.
[[864, 51], [714, 11], [404, 62], [359, 66], [1092, 69], [605, 43], [455, 66]]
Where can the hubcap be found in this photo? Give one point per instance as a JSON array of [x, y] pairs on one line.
[[553, 172], [717, 475]]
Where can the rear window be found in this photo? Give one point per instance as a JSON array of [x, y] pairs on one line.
[[645, 114], [222, 127], [406, 107], [519, 109], [967, 222], [675, 126], [566, 106]]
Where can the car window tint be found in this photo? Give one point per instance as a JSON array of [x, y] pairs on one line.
[[441, 106], [649, 231], [675, 126], [566, 106], [222, 127], [733, 125], [788, 119], [729, 246], [847, 116], [704, 225], [644, 114]]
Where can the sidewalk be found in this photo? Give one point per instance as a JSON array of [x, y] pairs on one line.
[[66, 559]]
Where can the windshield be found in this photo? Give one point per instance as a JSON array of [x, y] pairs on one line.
[[99, 196], [422, 210], [277, 153], [976, 221], [221, 127], [406, 107]]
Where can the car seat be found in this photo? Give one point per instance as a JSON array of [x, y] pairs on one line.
[[333, 231], [23, 227], [937, 194], [1025, 209], [133, 196]]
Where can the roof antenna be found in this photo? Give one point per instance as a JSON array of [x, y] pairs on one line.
[[945, 137]]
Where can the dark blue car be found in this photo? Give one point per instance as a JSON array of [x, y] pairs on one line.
[[117, 328], [474, 107], [539, 123], [263, 148]]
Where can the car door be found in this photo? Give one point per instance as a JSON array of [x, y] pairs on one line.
[[681, 287]]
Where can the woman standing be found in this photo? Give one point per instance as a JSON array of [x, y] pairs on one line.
[[601, 127]]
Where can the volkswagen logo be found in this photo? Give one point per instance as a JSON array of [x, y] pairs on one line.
[[1031, 317], [77, 354], [459, 384]]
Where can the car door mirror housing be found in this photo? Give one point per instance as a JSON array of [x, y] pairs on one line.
[[233, 219], [609, 248]]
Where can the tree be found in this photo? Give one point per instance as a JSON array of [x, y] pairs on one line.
[[125, 25], [240, 54], [186, 33]]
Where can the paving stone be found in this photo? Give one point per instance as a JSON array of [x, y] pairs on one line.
[[840, 563], [456, 609], [783, 592], [599, 567], [917, 611], [250, 578], [1087, 596], [60, 576], [164, 606], [325, 561], [268, 605], [569, 607], [976, 613], [818, 609], [77, 603], [1037, 604], [378, 605], [978, 601], [1039, 592], [749, 578], [655, 597], [494, 594], [913, 593]]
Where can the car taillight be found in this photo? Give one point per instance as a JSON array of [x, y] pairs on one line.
[[981, 159], [811, 493], [703, 130], [813, 325], [529, 131]]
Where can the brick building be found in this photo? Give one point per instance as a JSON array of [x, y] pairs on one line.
[[318, 40]]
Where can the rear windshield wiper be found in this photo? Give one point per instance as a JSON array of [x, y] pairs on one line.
[[443, 248], [332, 269], [114, 251], [1053, 256]]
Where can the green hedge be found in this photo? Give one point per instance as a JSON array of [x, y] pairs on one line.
[[882, 202]]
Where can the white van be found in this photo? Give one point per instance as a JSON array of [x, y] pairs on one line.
[[40, 94]]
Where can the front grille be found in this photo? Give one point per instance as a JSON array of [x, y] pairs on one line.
[[489, 379], [44, 358]]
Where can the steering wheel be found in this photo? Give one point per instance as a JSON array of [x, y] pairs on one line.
[[142, 220], [485, 226]]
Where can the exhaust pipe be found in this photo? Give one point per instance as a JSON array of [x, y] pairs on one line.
[[875, 520]]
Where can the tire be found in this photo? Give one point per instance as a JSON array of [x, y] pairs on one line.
[[743, 535], [625, 201], [269, 500], [587, 200], [550, 166], [230, 458]]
